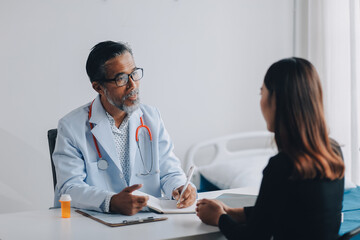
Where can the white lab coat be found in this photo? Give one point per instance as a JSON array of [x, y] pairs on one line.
[[75, 157]]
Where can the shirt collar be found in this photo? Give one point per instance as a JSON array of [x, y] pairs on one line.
[[123, 124]]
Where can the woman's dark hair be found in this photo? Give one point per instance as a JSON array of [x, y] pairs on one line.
[[99, 54], [300, 126]]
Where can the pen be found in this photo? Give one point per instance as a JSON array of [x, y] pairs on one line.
[[188, 178]]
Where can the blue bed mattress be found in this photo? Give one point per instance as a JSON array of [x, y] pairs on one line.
[[351, 210]]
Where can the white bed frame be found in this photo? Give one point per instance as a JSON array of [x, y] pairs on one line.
[[227, 148]]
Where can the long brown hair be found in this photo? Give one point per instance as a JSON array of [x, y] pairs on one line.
[[300, 126]]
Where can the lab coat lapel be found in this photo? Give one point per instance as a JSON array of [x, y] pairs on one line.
[[102, 131], [134, 122]]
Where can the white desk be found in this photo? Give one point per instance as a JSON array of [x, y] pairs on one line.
[[47, 224]]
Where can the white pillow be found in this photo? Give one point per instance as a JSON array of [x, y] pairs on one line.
[[245, 171]]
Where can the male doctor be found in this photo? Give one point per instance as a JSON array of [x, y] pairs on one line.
[[103, 150]]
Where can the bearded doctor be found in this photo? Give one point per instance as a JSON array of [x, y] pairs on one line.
[[115, 145]]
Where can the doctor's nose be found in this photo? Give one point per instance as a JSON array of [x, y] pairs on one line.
[[131, 84]]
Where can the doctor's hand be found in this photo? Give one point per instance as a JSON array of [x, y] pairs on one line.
[[126, 203], [209, 211], [188, 197]]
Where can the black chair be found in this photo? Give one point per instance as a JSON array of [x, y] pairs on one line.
[[52, 133], [353, 234]]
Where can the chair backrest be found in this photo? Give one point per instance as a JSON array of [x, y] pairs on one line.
[[353, 234], [52, 133]]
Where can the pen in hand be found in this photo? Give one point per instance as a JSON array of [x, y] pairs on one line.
[[188, 178]]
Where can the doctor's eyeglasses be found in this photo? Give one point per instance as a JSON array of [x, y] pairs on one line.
[[122, 79]]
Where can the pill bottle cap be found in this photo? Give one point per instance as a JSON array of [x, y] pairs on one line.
[[65, 197]]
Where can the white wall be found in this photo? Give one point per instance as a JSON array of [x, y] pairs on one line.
[[204, 63]]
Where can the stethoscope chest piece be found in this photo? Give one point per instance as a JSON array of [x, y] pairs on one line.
[[102, 164]]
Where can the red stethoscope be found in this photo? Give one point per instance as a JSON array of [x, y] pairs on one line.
[[103, 164]]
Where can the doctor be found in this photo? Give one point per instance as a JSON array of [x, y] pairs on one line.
[[114, 145]]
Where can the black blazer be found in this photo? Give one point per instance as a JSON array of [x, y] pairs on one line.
[[289, 209]]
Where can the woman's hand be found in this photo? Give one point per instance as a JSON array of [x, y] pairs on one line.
[[223, 205], [209, 211]]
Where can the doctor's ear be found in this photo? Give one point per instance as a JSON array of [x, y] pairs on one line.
[[97, 87]]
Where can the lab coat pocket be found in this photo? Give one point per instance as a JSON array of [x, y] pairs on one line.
[[151, 182], [92, 168], [95, 176]]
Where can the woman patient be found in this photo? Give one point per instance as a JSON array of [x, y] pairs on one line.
[[302, 188]]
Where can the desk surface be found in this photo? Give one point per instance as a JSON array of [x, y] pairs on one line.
[[47, 224]]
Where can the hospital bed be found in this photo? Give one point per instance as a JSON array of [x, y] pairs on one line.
[[231, 161], [237, 160]]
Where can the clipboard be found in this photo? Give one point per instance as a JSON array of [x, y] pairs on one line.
[[118, 220]]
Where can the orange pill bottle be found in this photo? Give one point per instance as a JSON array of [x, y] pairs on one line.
[[65, 201]]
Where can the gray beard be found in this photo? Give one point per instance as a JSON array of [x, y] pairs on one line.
[[130, 109], [122, 106]]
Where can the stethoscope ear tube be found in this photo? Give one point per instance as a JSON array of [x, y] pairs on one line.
[[147, 172], [142, 125]]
